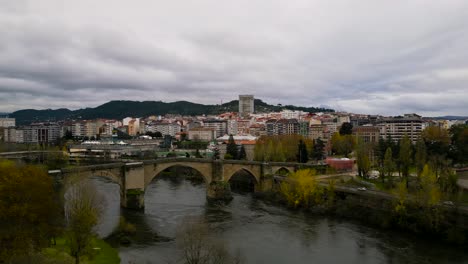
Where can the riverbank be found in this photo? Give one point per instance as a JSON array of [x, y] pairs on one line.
[[447, 223], [102, 253]]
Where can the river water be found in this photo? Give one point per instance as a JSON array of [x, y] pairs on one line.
[[261, 232]]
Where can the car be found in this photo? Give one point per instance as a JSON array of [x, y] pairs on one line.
[[449, 203], [362, 189]]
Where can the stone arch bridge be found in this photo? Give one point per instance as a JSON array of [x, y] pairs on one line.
[[133, 178]]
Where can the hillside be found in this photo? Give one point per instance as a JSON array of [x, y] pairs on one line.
[[122, 109]]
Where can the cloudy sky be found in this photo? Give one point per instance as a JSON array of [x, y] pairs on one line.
[[366, 56]]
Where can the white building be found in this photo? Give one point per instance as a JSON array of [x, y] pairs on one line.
[[165, 128], [13, 135], [232, 127], [290, 114], [7, 122]]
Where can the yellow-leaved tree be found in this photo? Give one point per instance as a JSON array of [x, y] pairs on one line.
[[301, 189], [429, 193]]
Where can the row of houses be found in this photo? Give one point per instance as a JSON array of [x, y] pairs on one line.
[[311, 125], [38, 133]]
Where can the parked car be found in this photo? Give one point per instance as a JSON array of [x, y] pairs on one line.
[[362, 189]]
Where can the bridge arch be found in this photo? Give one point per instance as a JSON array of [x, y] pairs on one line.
[[281, 171], [113, 176], [153, 171], [230, 174], [243, 180]]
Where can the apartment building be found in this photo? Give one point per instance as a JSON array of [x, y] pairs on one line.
[[370, 134], [7, 122], [257, 130], [232, 127], [202, 134], [219, 126], [39, 133], [317, 131], [13, 135], [165, 128], [396, 127], [282, 127]]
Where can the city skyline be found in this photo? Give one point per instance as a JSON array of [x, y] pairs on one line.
[[382, 58]]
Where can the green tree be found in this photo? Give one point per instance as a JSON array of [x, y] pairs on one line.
[[342, 144], [259, 151], [459, 143], [302, 155], [379, 151], [231, 147], [242, 153], [83, 208], [363, 161], [420, 156], [269, 151], [401, 206], [346, 129], [318, 148], [280, 153], [405, 157], [336, 143], [437, 142], [389, 166], [436, 138], [348, 144], [28, 211], [429, 193]]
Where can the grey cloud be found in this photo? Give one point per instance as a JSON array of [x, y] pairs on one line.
[[384, 58]]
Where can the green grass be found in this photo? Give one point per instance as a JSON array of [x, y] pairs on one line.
[[105, 254]]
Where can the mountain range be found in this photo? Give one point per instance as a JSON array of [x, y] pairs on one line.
[[122, 109]]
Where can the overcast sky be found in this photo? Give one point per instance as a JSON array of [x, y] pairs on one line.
[[365, 56]]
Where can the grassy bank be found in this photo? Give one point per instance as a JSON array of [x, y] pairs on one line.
[[102, 253]]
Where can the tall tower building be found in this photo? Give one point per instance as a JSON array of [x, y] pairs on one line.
[[246, 104]]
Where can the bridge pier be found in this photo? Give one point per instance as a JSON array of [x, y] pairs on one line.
[[133, 199], [133, 176], [218, 191]]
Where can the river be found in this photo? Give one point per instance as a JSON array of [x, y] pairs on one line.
[[261, 232]]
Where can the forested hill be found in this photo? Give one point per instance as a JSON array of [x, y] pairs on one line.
[[122, 109]]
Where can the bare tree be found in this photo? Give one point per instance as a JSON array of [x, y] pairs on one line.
[[199, 247], [83, 208]]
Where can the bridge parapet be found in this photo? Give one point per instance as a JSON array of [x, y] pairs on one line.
[[92, 167]]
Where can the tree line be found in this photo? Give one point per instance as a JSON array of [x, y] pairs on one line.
[[288, 148], [439, 148]]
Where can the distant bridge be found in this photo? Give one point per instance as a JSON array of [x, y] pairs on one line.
[[133, 178]]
